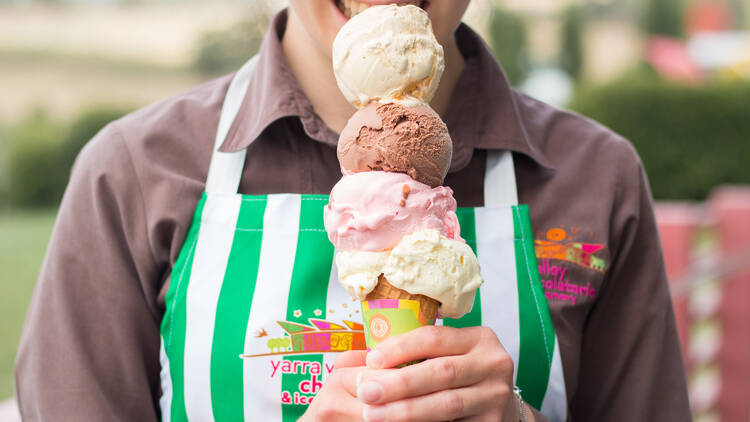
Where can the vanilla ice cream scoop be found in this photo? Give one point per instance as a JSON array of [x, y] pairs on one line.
[[388, 54], [423, 263]]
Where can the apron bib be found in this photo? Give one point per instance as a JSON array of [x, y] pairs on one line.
[[255, 316]]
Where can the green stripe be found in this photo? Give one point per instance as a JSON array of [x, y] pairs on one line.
[[535, 324], [233, 311], [173, 322], [467, 220], [308, 290]]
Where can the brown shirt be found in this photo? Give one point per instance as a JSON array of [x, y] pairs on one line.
[[90, 348]]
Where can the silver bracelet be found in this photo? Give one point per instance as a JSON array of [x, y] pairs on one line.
[[521, 408]]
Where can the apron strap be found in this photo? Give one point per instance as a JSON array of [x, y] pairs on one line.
[[225, 170], [500, 180]]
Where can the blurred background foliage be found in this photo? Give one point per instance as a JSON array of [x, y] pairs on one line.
[[42, 151], [664, 17], [224, 50], [507, 39], [667, 122], [573, 22]]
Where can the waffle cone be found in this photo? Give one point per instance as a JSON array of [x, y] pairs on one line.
[[385, 290]]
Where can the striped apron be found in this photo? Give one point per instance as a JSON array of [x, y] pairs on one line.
[[255, 316]]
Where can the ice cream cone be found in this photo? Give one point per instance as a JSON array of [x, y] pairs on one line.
[[385, 290]]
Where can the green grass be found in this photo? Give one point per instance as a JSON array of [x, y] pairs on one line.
[[23, 241]]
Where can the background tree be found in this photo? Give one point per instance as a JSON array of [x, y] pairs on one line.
[[508, 43], [227, 50], [571, 54], [664, 17]]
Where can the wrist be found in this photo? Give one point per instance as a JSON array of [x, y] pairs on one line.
[[523, 414], [529, 413]]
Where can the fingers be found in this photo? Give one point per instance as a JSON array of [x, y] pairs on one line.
[[346, 409], [423, 343], [387, 385], [440, 406], [350, 358], [468, 374], [337, 401], [346, 369], [347, 378], [332, 407]]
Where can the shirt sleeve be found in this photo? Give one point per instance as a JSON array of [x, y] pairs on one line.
[[90, 347], [631, 366]]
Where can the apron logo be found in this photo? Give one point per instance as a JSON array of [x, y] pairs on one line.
[[297, 345], [557, 286], [578, 253], [554, 279], [319, 337]]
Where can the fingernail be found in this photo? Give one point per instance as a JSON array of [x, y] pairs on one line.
[[374, 359], [374, 414], [370, 392]]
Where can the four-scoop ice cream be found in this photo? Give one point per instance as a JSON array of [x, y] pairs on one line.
[[394, 226]]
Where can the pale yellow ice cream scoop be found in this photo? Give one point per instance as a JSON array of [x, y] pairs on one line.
[[423, 263], [388, 54]]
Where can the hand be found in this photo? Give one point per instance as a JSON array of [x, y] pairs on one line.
[[468, 375], [337, 399]]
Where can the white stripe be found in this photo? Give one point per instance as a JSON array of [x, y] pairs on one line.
[[500, 180], [275, 266], [215, 238], [225, 168], [499, 293], [555, 404], [165, 401]]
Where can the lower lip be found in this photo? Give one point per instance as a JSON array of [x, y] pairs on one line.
[[339, 14], [344, 19]]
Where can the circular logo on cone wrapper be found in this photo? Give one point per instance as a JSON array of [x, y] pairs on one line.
[[380, 327]]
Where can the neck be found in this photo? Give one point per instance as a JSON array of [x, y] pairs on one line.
[[314, 72], [454, 66]]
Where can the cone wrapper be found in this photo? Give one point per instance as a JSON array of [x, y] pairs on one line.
[[389, 311]]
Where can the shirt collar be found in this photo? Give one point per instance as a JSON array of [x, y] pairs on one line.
[[273, 94], [483, 112]]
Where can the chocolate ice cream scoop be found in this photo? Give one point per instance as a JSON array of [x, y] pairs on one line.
[[395, 138]]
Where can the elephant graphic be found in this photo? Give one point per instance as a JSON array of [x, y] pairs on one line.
[[279, 344]]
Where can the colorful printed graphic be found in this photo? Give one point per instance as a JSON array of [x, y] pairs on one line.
[[320, 336], [386, 317], [380, 327], [576, 252]]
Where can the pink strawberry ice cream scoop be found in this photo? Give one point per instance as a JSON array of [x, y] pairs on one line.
[[372, 211]]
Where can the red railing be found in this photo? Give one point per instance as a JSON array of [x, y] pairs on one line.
[[707, 255]]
